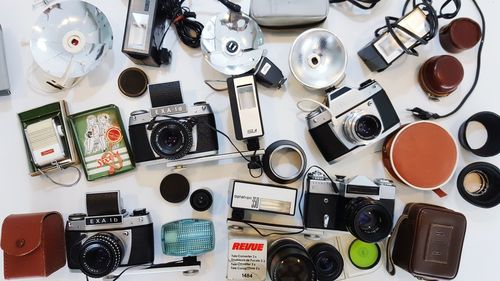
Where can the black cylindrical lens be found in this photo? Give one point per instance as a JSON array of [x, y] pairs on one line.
[[289, 261], [368, 127], [100, 255], [171, 139], [327, 260], [368, 219]]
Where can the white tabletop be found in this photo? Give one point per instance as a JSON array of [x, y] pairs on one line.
[[21, 193]]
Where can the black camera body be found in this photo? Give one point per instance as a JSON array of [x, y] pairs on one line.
[[356, 119], [358, 205], [108, 237], [172, 132]]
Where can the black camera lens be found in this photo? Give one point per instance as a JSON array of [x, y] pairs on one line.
[[100, 255], [368, 127], [171, 139], [289, 261], [328, 261], [368, 219]]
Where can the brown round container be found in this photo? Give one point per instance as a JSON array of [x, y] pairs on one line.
[[440, 76], [459, 35], [422, 155]]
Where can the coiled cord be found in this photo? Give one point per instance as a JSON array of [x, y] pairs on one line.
[[362, 4], [188, 30]]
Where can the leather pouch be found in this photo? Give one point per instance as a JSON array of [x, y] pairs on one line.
[[33, 244], [427, 242]]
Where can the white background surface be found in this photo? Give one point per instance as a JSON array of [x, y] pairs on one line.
[[21, 193]]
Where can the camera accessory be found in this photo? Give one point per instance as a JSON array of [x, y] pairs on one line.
[[188, 237], [144, 22], [171, 130], [69, 40], [359, 205], [427, 242], [231, 43], [431, 161], [426, 115], [245, 107], [263, 197], [318, 59], [491, 122], [327, 260], [440, 76], [247, 259], [188, 30], [364, 255], [108, 237], [289, 260], [201, 200], [295, 13], [174, 188], [459, 35], [354, 120], [362, 4], [33, 244], [277, 151], [268, 74], [479, 184], [4, 75], [48, 141], [133, 82], [101, 144]]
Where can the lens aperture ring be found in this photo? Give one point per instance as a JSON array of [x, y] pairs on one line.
[[109, 243], [182, 142]]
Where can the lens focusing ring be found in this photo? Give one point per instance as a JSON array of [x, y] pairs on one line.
[[354, 211], [352, 124], [111, 245], [282, 249], [488, 194], [323, 252], [183, 141]]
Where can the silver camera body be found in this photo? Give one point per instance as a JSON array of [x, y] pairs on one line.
[[356, 119]]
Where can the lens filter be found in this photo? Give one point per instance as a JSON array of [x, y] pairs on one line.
[[364, 255]]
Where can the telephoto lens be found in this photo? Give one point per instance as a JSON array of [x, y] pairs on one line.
[[327, 260], [172, 139], [100, 255], [368, 219], [287, 260]]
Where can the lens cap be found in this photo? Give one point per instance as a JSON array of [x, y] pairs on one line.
[[327, 260], [364, 255], [201, 200], [133, 82], [174, 188]]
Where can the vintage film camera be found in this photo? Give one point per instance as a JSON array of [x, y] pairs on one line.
[[107, 237], [171, 130], [358, 205], [356, 119]]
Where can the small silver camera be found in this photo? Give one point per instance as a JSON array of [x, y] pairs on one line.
[[356, 119]]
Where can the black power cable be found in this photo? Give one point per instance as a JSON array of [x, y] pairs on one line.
[[426, 115], [362, 4], [188, 30]]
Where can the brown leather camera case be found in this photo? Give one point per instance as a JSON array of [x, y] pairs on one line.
[[33, 244], [429, 240]]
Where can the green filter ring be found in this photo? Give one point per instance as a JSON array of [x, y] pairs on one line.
[[364, 255]]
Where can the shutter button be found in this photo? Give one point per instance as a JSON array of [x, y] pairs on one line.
[[20, 243]]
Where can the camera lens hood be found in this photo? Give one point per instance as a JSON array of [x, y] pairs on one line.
[[171, 139], [479, 184], [491, 121], [100, 255], [327, 260], [273, 150], [379, 224]]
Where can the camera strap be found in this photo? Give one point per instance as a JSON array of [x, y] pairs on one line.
[[389, 265]]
